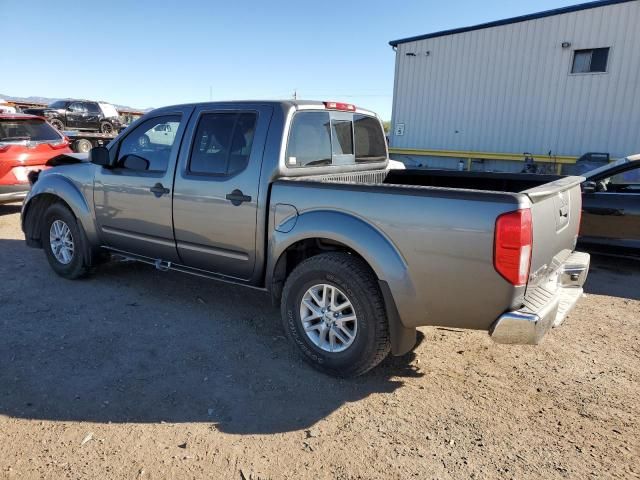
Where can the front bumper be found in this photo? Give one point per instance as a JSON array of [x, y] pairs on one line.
[[13, 193], [546, 306]]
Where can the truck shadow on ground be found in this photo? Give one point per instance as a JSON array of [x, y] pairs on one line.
[[10, 209], [604, 276], [130, 344]]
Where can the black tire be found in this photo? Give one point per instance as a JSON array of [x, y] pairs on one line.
[[78, 266], [352, 276], [57, 124], [82, 145], [106, 128]]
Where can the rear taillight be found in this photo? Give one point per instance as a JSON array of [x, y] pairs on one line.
[[579, 216], [346, 107], [512, 246], [63, 142]]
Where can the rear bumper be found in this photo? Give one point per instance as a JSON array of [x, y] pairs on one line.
[[545, 307]]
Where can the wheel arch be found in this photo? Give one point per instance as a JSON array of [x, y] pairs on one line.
[[320, 231], [56, 189]]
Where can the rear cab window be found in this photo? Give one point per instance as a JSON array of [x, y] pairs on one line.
[[322, 138]]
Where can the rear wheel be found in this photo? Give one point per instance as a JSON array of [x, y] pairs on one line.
[[333, 311], [63, 242], [82, 145], [57, 123], [106, 127]]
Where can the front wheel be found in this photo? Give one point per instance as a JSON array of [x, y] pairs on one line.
[[333, 311], [57, 124], [63, 242]]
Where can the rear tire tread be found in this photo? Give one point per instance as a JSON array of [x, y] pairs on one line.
[[351, 265]]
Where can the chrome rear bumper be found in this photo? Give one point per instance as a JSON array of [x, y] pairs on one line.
[[545, 307]]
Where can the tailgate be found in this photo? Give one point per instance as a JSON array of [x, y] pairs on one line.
[[555, 214]]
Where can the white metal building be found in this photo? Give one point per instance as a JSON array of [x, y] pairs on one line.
[[565, 81]]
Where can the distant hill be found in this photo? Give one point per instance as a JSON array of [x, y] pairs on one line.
[[48, 100]]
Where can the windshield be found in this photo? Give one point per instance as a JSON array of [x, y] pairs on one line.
[[32, 129], [58, 104]]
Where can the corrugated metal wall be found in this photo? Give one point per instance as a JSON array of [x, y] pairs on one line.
[[509, 88]]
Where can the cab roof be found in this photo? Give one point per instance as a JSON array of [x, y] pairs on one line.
[[297, 104]]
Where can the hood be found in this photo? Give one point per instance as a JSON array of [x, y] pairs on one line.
[[68, 159]]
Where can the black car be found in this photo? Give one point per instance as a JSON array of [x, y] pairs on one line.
[[80, 115], [611, 207]]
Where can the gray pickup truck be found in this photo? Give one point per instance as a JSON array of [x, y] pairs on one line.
[[297, 198]]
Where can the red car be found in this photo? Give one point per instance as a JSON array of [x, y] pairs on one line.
[[27, 142]]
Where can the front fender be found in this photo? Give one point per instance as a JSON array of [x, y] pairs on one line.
[[65, 189]]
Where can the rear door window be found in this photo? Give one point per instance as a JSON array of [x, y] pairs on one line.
[[93, 109], [222, 144]]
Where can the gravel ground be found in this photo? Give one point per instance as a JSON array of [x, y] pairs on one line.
[[134, 373]]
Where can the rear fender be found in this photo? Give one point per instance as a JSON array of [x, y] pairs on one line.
[[367, 241]]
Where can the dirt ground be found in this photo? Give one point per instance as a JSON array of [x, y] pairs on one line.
[[135, 373]]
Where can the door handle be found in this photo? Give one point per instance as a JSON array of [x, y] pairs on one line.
[[237, 197], [158, 190]]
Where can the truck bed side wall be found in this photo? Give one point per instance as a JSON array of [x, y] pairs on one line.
[[443, 240]]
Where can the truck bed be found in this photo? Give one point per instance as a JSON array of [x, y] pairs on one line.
[[477, 181], [442, 224]]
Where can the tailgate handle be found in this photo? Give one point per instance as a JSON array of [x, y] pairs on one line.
[[237, 197], [564, 211]]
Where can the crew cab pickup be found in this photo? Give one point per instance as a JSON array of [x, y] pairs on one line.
[[296, 197]]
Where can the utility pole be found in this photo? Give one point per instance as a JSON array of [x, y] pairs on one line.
[[295, 94]]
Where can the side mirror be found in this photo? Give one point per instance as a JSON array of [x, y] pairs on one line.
[[134, 162], [589, 187], [100, 156]]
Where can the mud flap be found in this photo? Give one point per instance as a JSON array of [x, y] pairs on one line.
[[403, 339]]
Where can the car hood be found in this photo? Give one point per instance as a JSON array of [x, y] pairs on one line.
[[68, 159]]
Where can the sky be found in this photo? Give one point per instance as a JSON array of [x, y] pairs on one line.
[[145, 54]]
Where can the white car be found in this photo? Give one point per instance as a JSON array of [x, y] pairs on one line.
[[5, 107], [162, 134]]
